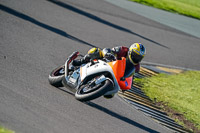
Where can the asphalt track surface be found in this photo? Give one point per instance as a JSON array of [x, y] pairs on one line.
[[38, 35]]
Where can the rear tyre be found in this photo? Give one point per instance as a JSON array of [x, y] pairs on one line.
[[86, 93], [56, 76]]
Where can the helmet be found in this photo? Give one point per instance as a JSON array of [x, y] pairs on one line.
[[136, 53], [95, 53]]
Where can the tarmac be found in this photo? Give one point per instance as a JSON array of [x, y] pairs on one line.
[[37, 36]]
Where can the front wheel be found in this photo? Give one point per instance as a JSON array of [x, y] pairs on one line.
[[56, 76], [86, 92]]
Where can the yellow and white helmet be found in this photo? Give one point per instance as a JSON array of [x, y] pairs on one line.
[[95, 53], [136, 53]]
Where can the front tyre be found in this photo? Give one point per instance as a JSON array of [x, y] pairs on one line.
[[86, 93], [56, 76]]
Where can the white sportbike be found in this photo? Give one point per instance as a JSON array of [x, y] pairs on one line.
[[91, 80]]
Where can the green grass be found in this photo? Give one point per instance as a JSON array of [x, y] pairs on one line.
[[4, 130], [181, 92], [189, 8]]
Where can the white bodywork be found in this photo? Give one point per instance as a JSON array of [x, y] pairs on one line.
[[99, 67]]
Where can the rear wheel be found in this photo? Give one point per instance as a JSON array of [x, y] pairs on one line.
[[89, 92], [56, 76]]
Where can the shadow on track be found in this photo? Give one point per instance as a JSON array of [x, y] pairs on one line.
[[66, 90], [111, 113], [98, 19], [45, 26], [125, 119]]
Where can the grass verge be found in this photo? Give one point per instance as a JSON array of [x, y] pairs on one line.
[[178, 93], [189, 8], [4, 130]]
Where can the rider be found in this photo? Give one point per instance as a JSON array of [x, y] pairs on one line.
[[134, 54]]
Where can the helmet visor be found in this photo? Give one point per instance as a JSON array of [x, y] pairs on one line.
[[136, 58]]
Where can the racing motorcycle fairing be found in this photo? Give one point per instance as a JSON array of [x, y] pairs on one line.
[[114, 69], [99, 68], [118, 68]]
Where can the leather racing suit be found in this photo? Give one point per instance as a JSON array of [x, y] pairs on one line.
[[118, 53]]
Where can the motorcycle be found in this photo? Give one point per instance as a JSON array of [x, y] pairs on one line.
[[91, 80]]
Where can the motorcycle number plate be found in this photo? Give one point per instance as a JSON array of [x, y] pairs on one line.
[[100, 79]]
